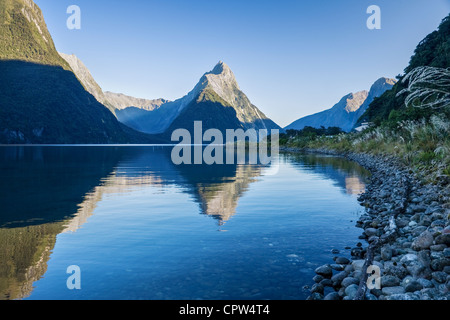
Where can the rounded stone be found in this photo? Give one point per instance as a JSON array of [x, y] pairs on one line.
[[332, 296], [349, 281], [413, 286], [317, 288], [439, 276], [342, 260], [389, 281], [317, 278], [351, 291], [393, 290], [423, 241], [386, 253], [443, 239], [337, 278], [326, 283], [371, 232], [337, 267], [325, 271]]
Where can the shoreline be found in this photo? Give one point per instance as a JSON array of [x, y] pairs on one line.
[[405, 239]]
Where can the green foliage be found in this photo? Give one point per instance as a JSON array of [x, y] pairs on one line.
[[311, 132], [433, 51], [26, 39]]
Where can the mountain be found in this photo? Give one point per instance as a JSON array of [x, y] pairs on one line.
[[41, 100], [347, 111], [216, 100], [113, 101]]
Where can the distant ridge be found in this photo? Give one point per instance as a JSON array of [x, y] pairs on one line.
[[347, 111], [113, 101]]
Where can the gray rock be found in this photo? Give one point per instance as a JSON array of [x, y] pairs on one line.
[[408, 258], [423, 241], [413, 286], [348, 268], [416, 200], [315, 296], [446, 269], [418, 230], [436, 255], [393, 290], [443, 239], [357, 252], [326, 283], [439, 276], [337, 278], [425, 283], [401, 223], [351, 291], [349, 281], [332, 296], [370, 296], [426, 221], [389, 281], [407, 280], [358, 264], [371, 232], [357, 274], [438, 247], [317, 287], [423, 257], [376, 292], [317, 278], [342, 260], [404, 296], [337, 267], [418, 270], [440, 223], [412, 223], [395, 269], [386, 252], [446, 253], [325, 271], [439, 264]]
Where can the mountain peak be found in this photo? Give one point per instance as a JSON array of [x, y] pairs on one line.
[[384, 80], [381, 85], [221, 80], [220, 67]]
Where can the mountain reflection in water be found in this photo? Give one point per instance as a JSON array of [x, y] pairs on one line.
[[46, 191]]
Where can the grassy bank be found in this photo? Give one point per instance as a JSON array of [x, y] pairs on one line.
[[423, 145]]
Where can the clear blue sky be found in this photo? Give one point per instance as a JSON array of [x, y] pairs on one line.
[[291, 58]]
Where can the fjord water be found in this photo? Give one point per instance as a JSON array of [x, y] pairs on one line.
[[140, 227]]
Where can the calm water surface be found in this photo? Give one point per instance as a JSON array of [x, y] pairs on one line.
[[140, 227]]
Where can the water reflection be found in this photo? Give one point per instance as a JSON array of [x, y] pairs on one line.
[[46, 191], [351, 178]]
